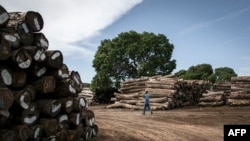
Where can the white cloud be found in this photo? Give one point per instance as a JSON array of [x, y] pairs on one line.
[[67, 21]]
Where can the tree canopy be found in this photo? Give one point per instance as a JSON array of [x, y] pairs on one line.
[[205, 72], [132, 55]]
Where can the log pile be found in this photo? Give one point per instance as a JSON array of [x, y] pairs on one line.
[[166, 92], [88, 95], [217, 96], [225, 87], [212, 98], [38, 94], [240, 91]]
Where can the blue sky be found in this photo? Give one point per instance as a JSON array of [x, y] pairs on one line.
[[216, 32]]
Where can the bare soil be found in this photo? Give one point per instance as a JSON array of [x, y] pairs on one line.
[[180, 124]]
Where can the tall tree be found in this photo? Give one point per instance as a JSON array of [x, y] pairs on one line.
[[131, 55], [224, 74]]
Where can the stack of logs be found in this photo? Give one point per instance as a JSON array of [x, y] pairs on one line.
[[217, 96], [88, 95], [240, 91], [38, 94], [166, 92]]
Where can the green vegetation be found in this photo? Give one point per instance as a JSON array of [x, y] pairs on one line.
[[130, 55], [205, 72]]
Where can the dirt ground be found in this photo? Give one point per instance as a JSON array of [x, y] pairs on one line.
[[180, 124]]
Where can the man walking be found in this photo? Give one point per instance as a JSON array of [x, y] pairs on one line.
[[147, 103]]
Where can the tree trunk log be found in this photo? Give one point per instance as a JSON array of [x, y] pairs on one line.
[[10, 38], [238, 102], [5, 50], [22, 132], [75, 119], [126, 96], [6, 78], [54, 59], [7, 135], [25, 96], [22, 57], [19, 78], [45, 84], [133, 102], [65, 88], [62, 135], [215, 98], [40, 40], [67, 104], [207, 104], [152, 91], [37, 70], [63, 121], [239, 96], [49, 126], [30, 21], [36, 132], [75, 135], [4, 116], [6, 99], [80, 103], [4, 16], [39, 54], [49, 107], [61, 73], [75, 76]]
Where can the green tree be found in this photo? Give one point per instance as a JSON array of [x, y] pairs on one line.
[[132, 55], [205, 72], [224, 74], [201, 72]]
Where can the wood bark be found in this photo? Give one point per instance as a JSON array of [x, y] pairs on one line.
[[67, 104], [6, 99], [62, 135], [22, 57], [4, 16], [40, 40], [45, 84], [22, 132], [38, 53], [75, 76], [206, 104], [36, 132], [31, 21], [152, 91], [4, 116], [10, 38], [239, 96], [19, 77], [54, 59], [6, 78], [50, 107], [49, 126], [79, 103], [25, 96], [238, 102], [7, 135]]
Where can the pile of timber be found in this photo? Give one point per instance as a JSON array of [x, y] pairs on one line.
[[38, 94], [240, 91], [166, 92], [217, 96], [225, 87], [212, 98], [88, 95]]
